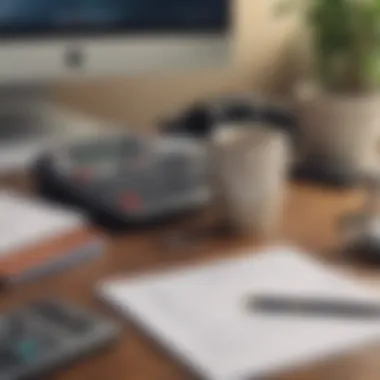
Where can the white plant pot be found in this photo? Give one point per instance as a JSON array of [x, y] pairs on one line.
[[344, 130]]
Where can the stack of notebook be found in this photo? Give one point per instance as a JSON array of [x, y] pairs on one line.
[[38, 238]]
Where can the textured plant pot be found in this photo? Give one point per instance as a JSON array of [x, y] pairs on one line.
[[344, 130]]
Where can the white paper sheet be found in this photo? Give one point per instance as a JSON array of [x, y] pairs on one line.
[[200, 314], [24, 221]]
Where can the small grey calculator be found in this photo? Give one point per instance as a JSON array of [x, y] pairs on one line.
[[45, 335]]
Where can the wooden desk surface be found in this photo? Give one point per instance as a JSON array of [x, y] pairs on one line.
[[310, 220]]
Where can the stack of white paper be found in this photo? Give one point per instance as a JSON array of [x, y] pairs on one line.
[[200, 314], [24, 221]]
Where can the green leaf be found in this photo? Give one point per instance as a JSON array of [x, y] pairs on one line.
[[346, 40]]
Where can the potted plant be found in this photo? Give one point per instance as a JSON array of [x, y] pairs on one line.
[[339, 112]]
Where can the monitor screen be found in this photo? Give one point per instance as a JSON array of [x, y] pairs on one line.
[[51, 17]]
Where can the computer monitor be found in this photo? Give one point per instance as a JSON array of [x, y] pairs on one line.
[[46, 41]]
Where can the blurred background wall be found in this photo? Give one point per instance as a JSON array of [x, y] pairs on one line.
[[264, 58]]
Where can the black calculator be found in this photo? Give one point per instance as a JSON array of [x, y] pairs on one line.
[[126, 180]]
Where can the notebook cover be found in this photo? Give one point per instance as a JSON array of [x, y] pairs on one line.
[[40, 254]]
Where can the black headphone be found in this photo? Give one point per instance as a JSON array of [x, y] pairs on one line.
[[201, 118]]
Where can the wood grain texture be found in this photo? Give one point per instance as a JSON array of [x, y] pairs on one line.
[[310, 220]]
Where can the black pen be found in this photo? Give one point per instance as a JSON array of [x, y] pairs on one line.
[[315, 307]]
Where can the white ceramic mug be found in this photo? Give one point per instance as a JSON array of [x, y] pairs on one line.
[[250, 170]]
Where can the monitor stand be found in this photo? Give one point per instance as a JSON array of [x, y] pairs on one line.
[[30, 121]]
